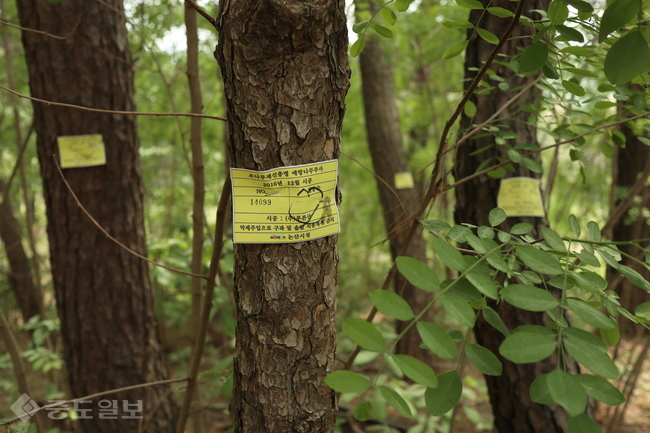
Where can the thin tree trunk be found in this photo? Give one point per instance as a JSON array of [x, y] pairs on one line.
[[629, 163], [389, 160], [103, 293], [198, 177], [29, 300], [513, 410], [285, 73]]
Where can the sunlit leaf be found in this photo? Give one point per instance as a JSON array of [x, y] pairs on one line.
[[487, 35]]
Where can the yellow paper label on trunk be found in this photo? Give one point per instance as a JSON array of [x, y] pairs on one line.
[[404, 180], [81, 151], [520, 196], [285, 205]]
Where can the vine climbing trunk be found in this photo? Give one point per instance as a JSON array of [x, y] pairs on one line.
[[103, 293], [285, 72], [513, 410]]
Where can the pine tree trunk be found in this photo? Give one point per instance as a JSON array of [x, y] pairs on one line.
[[389, 159], [513, 410], [103, 293], [285, 73]]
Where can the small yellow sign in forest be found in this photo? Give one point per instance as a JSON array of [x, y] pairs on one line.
[[81, 151], [520, 196], [285, 205]]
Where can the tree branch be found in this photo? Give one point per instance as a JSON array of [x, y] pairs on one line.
[[120, 244], [201, 12], [99, 110]]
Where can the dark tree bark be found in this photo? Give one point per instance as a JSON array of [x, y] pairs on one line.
[[285, 71], [389, 158], [629, 164], [513, 410], [28, 297], [103, 293]]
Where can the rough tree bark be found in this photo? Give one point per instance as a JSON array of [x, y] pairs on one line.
[[513, 410], [389, 158], [629, 164], [285, 71], [103, 293]]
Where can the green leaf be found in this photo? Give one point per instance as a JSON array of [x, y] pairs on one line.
[[383, 31], [485, 232], [483, 359], [455, 50], [600, 389], [590, 356], [627, 58], [583, 424], [389, 15], [416, 370], [538, 260], [391, 304], [359, 27], [524, 347], [469, 109], [500, 12], [558, 11], [617, 15], [529, 298], [532, 165], [436, 226], [575, 225], [458, 233], [589, 281], [483, 284], [457, 24], [357, 47], [495, 321], [402, 5], [521, 228], [446, 395], [643, 311], [588, 258], [515, 156], [497, 216], [364, 334], [569, 33], [396, 400], [553, 239], [437, 339], [347, 381], [476, 243], [573, 87], [594, 231], [533, 58], [567, 392], [487, 35], [449, 255], [363, 412], [634, 277], [539, 391], [581, 6], [459, 309], [418, 273], [31, 428], [589, 314], [470, 4]]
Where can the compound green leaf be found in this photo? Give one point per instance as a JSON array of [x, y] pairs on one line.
[[344, 381], [487, 36], [627, 58], [495, 320], [583, 424], [416, 370], [459, 309], [449, 255], [600, 389], [396, 400], [589, 314], [533, 58], [483, 359], [418, 273], [567, 392], [497, 216], [455, 50], [618, 14], [446, 395], [391, 304], [538, 260], [437, 339], [529, 298], [483, 284], [363, 411], [364, 334], [524, 347], [553, 239]]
